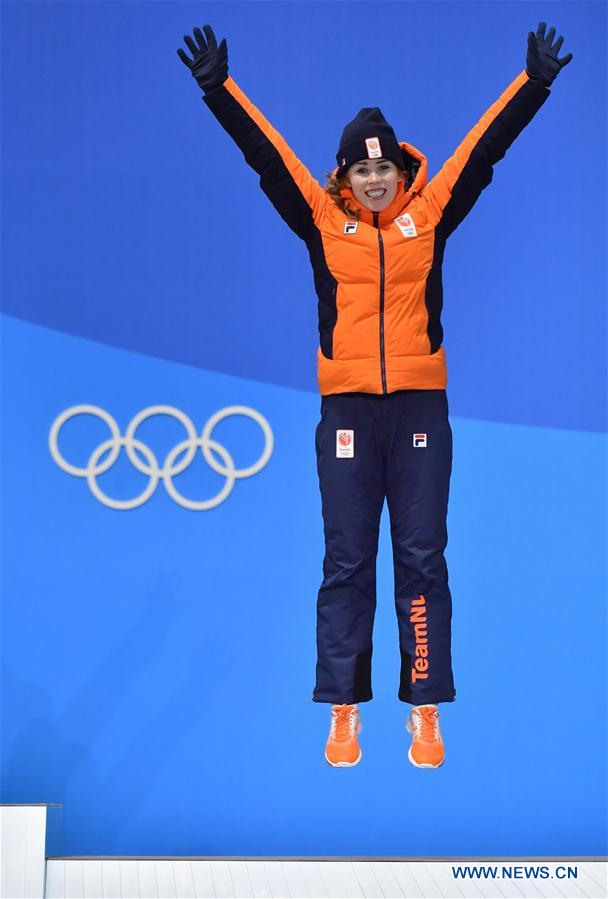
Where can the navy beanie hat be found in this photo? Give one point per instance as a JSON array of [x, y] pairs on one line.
[[369, 136]]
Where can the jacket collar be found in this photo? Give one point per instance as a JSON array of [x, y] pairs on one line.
[[386, 216]]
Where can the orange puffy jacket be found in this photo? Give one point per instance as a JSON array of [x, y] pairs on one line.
[[378, 279]]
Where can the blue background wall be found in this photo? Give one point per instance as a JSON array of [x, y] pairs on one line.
[[158, 663]]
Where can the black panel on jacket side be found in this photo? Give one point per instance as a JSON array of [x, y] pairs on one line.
[[326, 287], [433, 296]]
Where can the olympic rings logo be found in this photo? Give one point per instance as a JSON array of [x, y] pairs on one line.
[[170, 468]]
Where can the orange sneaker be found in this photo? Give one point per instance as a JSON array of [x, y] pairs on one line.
[[427, 749], [342, 748]]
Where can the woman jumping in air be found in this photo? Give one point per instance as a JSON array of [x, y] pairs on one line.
[[376, 235]]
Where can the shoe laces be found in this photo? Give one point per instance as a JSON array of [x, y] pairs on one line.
[[343, 722], [426, 724]]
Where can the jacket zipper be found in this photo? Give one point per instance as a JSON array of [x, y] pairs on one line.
[[382, 361]]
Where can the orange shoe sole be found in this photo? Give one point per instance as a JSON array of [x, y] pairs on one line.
[[419, 765], [344, 764]]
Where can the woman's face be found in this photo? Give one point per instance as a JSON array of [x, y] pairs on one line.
[[374, 182]]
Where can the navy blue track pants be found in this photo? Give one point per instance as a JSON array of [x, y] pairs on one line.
[[371, 446]]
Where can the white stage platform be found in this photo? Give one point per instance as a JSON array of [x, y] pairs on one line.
[[28, 872], [316, 878]]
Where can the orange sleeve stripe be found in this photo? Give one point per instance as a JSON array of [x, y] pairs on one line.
[[309, 187], [439, 189]]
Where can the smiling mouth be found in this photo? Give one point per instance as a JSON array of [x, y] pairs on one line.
[[375, 194]]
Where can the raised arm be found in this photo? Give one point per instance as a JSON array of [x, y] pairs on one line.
[[292, 190], [452, 193]]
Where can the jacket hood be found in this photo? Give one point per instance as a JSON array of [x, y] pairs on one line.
[[417, 167]]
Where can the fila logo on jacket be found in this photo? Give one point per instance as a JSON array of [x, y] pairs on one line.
[[404, 223]]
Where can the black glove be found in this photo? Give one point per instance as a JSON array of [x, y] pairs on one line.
[[210, 64], [542, 63]]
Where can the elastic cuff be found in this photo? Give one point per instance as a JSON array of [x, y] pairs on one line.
[[430, 700], [541, 82], [354, 700], [211, 90]]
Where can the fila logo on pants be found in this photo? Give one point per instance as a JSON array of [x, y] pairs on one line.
[[418, 619]]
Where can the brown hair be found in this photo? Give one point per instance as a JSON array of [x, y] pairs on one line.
[[335, 185]]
